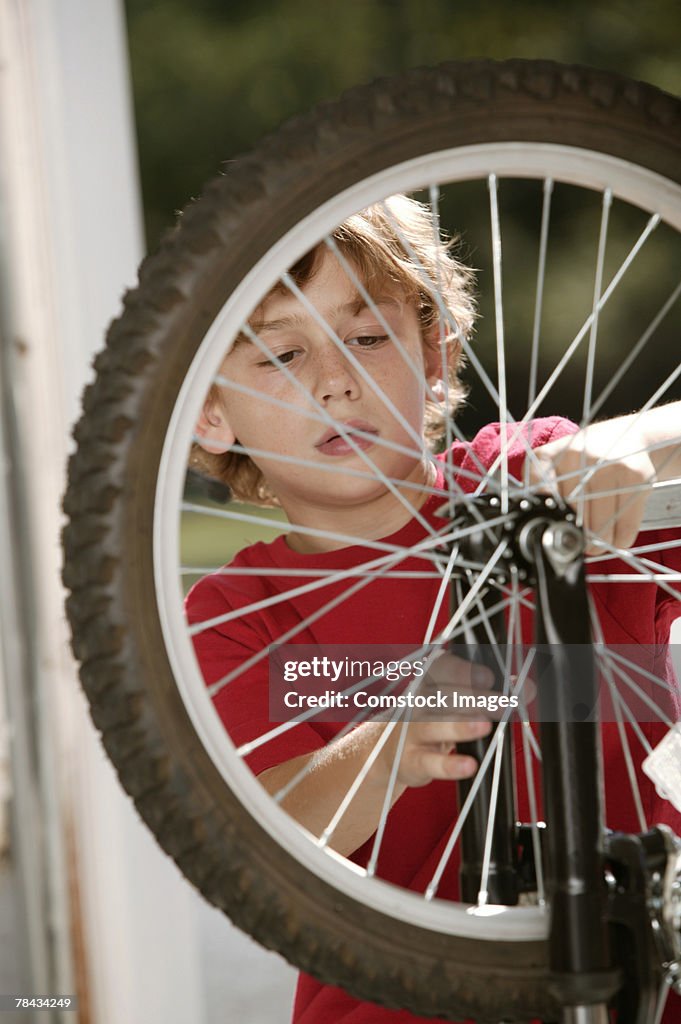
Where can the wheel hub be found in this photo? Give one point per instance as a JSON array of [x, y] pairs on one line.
[[527, 522]]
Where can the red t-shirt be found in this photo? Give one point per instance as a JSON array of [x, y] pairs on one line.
[[389, 611]]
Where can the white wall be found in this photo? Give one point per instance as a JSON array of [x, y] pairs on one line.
[[71, 231]]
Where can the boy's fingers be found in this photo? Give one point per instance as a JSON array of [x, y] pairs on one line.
[[451, 732], [459, 673], [542, 473], [599, 519], [430, 765], [614, 517], [628, 518]]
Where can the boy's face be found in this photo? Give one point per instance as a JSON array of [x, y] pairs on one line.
[[330, 381]]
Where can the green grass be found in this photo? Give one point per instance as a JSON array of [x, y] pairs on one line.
[[208, 542]]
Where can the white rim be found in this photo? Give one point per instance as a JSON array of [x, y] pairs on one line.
[[643, 188]]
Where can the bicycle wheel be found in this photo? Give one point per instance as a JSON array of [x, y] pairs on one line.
[[594, 158]]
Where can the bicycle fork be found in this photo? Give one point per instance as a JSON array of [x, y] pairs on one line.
[[572, 778], [546, 549]]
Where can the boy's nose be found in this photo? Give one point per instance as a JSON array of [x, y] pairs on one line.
[[336, 377]]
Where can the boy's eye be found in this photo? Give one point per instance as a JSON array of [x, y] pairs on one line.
[[367, 340], [282, 357]]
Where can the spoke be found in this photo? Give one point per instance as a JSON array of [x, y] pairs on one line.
[[530, 746], [476, 620], [524, 596], [662, 995], [626, 678], [499, 327], [283, 597], [483, 894], [265, 572], [586, 326], [470, 353], [579, 337], [633, 577], [461, 497], [632, 489], [328, 832], [451, 473], [465, 810], [351, 724], [304, 716], [527, 737], [593, 337], [653, 478], [318, 417], [310, 531], [450, 427], [340, 575], [636, 350], [598, 286], [472, 793], [539, 292], [444, 311], [577, 474], [365, 713], [473, 592], [255, 659], [335, 424], [442, 590], [624, 739], [352, 359], [641, 549], [392, 781], [621, 659], [434, 192], [645, 744], [296, 460], [659, 573], [514, 599], [371, 304], [387, 803]]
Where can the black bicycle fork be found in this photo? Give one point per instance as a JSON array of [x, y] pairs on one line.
[[545, 550]]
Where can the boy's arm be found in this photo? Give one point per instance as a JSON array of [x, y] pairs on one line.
[[637, 450], [661, 431], [428, 754]]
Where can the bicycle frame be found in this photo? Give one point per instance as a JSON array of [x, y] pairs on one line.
[[584, 976]]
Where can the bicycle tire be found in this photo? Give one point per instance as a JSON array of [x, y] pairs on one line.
[[112, 606]]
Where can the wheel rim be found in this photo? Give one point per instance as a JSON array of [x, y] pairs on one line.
[[628, 182]]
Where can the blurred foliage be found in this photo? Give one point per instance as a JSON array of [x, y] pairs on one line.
[[212, 76], [209, 541]]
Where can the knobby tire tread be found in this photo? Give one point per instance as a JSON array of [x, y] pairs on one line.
[[126, 677]]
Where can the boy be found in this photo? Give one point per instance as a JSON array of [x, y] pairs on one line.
[[306, 446]]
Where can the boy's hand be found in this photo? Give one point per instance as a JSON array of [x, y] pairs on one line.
[[429, 750], [611, 498]]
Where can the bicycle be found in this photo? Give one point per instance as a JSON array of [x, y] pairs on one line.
[[568, 134]]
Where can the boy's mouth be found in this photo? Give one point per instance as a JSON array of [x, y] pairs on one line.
[[331, 443]]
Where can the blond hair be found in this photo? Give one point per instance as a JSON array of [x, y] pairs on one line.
[[393, 243]]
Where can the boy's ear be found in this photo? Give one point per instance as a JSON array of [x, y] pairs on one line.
[[213, 432], [438, 390], [433, 349]]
